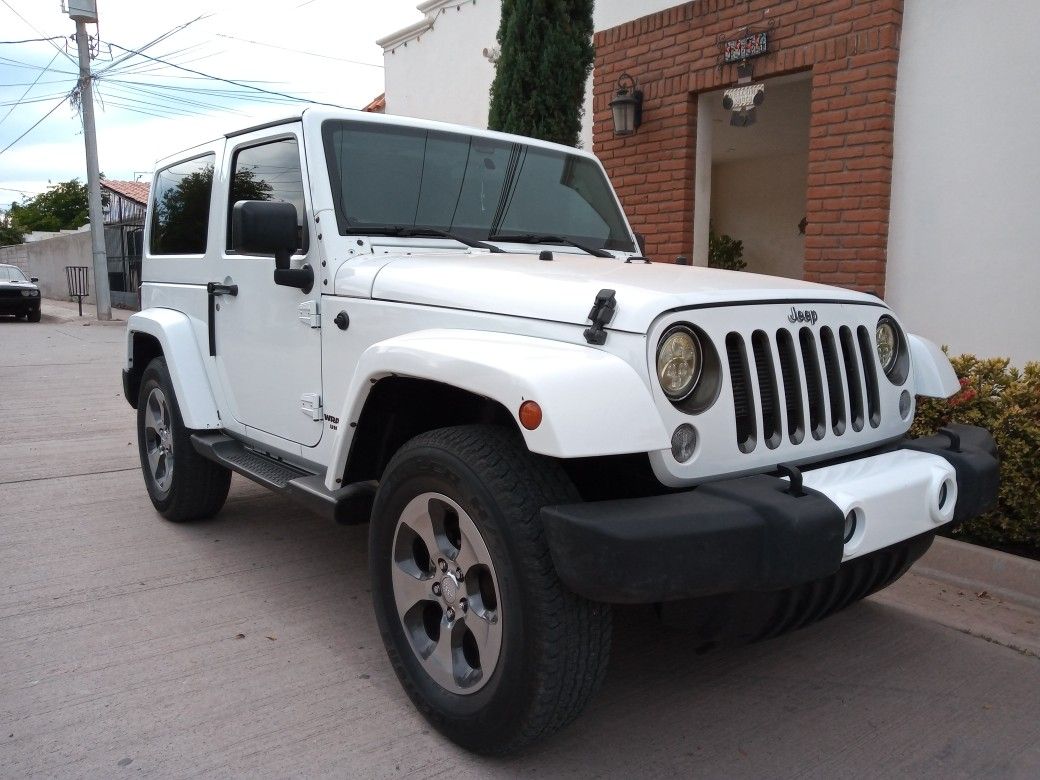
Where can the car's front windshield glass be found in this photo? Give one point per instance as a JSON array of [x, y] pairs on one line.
[[11, 273], [476, 187]]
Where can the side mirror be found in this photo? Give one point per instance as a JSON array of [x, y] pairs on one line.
[[34, 279], [263, 227]]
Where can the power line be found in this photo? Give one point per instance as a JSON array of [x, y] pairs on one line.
[[33, 40], [38, 121], [226, 81], [300, 51], [33, 28], [29, 88]]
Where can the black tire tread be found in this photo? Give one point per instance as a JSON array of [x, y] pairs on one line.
[[573, 634]]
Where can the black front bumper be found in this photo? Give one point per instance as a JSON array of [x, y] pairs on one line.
[[19, 305], [742, 534]]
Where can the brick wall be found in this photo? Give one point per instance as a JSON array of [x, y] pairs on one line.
[[851, 48]]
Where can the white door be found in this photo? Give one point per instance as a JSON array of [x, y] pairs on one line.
[[269, 359]]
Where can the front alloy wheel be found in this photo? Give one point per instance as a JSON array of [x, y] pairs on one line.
[[492, 649], [446, 592]]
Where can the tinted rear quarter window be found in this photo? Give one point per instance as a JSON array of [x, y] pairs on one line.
[[180, 207]]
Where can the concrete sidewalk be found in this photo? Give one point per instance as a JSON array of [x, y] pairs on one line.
[[246, 645]]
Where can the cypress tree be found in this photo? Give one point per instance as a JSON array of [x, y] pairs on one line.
[[545, 58]]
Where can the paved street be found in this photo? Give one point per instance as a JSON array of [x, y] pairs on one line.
[[246, 645]]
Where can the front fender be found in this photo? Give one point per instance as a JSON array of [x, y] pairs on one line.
[[175, 334], [933, 375], [593, 402]]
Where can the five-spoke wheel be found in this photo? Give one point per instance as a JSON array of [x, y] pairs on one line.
[[446, 592], [158, 442], [486, 641]]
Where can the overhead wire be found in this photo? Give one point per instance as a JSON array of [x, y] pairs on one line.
[[244, 85], [29, 88], [35, 30], [300, 51], [35, 124]]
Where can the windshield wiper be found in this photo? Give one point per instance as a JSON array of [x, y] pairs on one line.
[[534, 238], [406, 231]]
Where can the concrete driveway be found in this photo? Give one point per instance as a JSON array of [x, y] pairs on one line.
[[246, 645]]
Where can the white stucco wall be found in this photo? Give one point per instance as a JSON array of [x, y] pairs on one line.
[[442, 73], [964, 251]]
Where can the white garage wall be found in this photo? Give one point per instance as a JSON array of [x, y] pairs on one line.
[[963, 257], [760, 202]]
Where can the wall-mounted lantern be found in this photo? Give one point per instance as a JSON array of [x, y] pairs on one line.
[[627, 106]]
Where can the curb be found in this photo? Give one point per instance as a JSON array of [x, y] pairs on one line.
[[970, 566]]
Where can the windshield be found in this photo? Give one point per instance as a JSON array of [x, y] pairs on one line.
[[472, 186], [11, 273]]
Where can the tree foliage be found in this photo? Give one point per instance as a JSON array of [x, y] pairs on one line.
[[62, 207], [545, 58], [9, 232]]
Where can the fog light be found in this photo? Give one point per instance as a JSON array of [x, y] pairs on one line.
[[904, 404], [851, 521], [944, 493], [684, 442]]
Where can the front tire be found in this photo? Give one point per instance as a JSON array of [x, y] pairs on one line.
[[34, 316], [488, 644], [182, 484]]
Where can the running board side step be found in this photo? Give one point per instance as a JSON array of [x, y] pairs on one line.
[[348, 505]]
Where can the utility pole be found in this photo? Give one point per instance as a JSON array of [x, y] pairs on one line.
[[82, 12]]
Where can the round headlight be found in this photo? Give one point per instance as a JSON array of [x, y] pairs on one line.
[[887, 339], [679, 362], [26, 293]]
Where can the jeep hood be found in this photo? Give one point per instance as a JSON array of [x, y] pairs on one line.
[[564, 289]]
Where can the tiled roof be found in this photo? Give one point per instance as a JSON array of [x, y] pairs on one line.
[[133, 190], [377, 106]]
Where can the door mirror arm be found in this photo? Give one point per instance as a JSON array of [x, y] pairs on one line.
[[301, 278]]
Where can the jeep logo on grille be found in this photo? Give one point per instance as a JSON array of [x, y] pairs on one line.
[[803, 315]]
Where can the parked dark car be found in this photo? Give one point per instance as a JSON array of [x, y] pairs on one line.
[[18, 295]]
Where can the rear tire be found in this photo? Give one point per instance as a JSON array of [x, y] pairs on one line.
[[525, 655], [182, 484]]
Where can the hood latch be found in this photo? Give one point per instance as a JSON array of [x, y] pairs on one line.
[[602, 313]]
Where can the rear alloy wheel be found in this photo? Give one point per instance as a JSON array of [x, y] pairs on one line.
[[490, 646], [182, 484]]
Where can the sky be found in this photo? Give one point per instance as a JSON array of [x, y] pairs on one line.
[[307, 49]]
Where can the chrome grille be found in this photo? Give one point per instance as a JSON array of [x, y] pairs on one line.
[[828, 381]]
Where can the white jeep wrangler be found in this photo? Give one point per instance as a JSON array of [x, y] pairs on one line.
[[457, 341]]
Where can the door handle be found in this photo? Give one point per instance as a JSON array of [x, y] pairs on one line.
[[217, 288], [213, 289]]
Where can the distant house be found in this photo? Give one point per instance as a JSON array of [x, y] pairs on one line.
[[125, 204]]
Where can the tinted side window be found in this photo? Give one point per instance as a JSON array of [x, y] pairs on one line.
[[269, 172], [180, 207]]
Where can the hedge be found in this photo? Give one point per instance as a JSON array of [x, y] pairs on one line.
[[1006, 401]]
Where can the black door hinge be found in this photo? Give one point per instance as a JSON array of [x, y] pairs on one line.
[[602, 313]]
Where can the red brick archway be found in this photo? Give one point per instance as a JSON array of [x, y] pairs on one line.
[[852, 49]]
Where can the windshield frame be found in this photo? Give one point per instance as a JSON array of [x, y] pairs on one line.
[[623, 244]]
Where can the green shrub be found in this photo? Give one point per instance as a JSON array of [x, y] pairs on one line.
[[1006, 402], [725, 252]]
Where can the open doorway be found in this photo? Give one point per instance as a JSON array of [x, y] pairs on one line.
[[758, 177]]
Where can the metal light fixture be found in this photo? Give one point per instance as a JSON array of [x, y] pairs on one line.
[[627, 106]]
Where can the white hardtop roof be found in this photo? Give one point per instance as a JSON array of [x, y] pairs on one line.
[[316, 115]]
